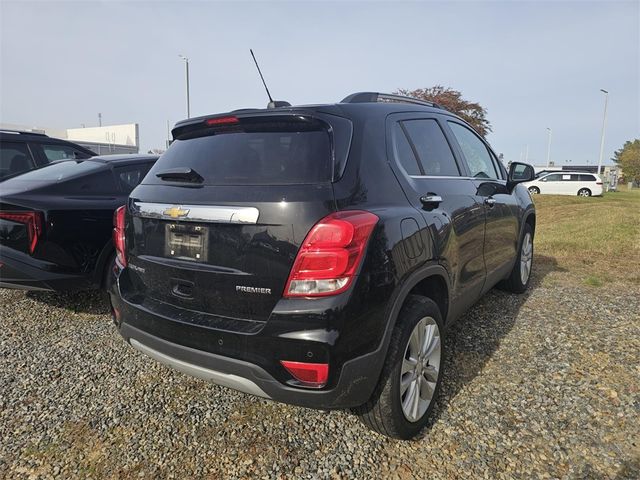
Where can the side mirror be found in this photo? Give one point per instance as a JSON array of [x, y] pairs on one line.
[[519, 173]]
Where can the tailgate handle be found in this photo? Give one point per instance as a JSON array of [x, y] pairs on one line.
[[182, 288]]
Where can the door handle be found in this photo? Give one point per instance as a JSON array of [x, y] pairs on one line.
[[490, 201], [430, 200]]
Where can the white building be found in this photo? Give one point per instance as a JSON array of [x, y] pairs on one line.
[[105, 140]]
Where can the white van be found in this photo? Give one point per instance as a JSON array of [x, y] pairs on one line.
[[567, 183]]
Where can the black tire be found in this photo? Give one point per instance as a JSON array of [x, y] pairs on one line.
[[514, 283], [383, 412], [584, 192], [534, 190]]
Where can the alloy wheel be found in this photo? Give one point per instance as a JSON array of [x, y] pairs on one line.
[[526, 258], [420, 369]]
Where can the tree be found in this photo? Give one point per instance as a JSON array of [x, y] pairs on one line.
[[452, 100], [628, 158]]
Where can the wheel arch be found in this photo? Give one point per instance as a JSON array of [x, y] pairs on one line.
[[530, 219], [103, 262], [430, 280], [418, 282]]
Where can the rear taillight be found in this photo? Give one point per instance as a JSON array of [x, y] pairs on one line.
[[599, 183], [32, 221], [330, 255], [312, 375], [118, 235]]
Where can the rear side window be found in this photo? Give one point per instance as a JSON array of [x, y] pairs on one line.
[[555, 177], [587, 178], [62, 152], [432, 148], [403, 152], [15, 158], [129, 177], [475, 152], [278, 153]]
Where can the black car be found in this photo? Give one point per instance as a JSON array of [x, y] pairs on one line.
[[316, 255], [24, 151], [56, 221]]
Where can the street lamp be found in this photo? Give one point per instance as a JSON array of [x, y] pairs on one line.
[[548, 146], [186, 65], [604, 124]]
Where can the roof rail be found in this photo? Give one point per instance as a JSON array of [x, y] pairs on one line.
[[376, 97], [22, 132]]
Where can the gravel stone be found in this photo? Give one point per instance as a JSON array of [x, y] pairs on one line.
[[542, 385]]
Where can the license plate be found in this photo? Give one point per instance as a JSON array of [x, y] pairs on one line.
[[186, 242]]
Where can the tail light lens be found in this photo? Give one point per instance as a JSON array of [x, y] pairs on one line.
[[330, 254], [312, 375], [599, 182], [33, 221], [118, 235]]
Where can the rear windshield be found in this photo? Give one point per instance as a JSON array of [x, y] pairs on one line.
[[277, 154], [60, 171]]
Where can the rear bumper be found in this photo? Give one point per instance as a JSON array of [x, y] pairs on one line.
[[19, 271], [249, 360], [353, 388]]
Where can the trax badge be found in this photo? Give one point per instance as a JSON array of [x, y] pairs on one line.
[[176, 211], [242, 288]]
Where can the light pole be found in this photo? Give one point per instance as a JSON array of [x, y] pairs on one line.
[[548, 146], [604, 124], [186, 66]]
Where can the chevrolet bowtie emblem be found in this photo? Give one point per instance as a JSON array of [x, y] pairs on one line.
[[175, 212]]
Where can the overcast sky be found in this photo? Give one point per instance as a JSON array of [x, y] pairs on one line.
[[532, 65]]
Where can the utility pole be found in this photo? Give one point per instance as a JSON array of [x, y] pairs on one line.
[[99, 119], [604, 124], [549, 132], [186, 66]]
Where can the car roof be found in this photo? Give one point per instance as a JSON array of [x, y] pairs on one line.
[[24, 135], [36, 137], [359, 109], [123, 158], [565, 172]]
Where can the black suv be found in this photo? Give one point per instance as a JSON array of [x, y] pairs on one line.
[[24, 151], [316, 255]]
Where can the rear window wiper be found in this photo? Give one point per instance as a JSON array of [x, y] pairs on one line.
[[180, 175]]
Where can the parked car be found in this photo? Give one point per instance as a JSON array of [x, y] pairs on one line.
[[56, 221], [24, 151], [567, 183], [316, 255]]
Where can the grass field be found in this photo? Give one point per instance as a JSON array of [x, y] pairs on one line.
[[596, 240]]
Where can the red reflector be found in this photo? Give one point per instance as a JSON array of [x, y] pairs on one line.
[[308, 374], [221, 121], [32, 221], [119, 234]]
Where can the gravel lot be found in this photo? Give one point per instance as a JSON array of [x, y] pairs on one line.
[[541, 385]]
